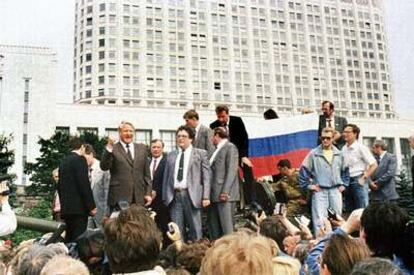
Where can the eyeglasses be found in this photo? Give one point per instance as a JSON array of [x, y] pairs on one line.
[[326, 138], [182, 136]]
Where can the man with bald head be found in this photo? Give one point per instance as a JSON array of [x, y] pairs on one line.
[[129, 167]]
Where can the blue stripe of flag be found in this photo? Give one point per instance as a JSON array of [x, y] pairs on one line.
[[275, 145]]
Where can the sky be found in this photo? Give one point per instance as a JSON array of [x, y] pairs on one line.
[[50, 23]]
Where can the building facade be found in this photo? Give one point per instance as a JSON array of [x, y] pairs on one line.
[[252, 55]]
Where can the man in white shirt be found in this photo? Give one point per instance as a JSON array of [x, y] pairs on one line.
[[8, 222], [361, 165], [186, 184]]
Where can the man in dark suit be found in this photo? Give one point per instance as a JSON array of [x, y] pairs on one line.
[[328, 119], [383, 180], [76, 198], [186, 184], [129, 167], [238, 136], [157, 166], [203, 134], [224, 185]]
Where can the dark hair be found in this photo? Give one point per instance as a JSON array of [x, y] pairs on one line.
[[222, 108], [270, 114], [221, 132], [157, 140], [388, 233], [89, 150], [342, 252], [191, 114], [331, 105], [188, 129], [132, 241], [90, 244], [75, 143], [191, 255], [374, 266], [380, 143], [284, 163], [273, 228], [355, 129]]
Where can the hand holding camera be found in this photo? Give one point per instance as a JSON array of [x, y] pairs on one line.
[[173, 232]]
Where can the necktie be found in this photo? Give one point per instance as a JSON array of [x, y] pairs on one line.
[[180, 173], [329, 123], [129, 152], [90, 175], [153, 167], [378, 159]]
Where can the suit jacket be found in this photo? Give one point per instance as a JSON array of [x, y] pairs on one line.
[[157, 179], [412, 173], [100, 187], [224, 173], [74, 189], [340, 123], [384, 175], [198, 177], [128, 178], [203, 140], [237, 133]]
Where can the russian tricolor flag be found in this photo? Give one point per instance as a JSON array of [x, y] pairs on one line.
[[287, 138]]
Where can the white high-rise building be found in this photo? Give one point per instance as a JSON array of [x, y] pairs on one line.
[[252, 55]]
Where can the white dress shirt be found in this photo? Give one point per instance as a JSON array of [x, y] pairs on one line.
[[197, 129], [357, 157], [219, 146], [187, 155], [94, 172], [131, 148], [332, 121], [8, 222], [152, 168]]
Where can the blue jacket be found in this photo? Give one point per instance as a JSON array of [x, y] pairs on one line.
[[316, 169]]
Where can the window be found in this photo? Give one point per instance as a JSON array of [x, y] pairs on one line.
[[62, 129], [143, 136], [168, 137], [83, 130]]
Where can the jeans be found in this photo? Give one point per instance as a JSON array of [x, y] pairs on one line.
[[356, 195], [186, 216], [327, 197]]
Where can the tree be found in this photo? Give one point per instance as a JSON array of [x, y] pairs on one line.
[[52, 151], [6, 155], [404, 189]]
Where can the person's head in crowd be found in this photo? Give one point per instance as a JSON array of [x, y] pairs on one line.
[[132, 241], [283, 265], [285, 167], [289, 244], [185, 136], [270, 114], [351, 133], [222, 113], [76, 144], [18, 254], [301, 251], [375, 266], [386, 230], [240, 254], [35, 259], [273, 228], [379, 147], [64, 265], [219, 134], [55, 175], [190, 257], [327, 138], [191, 118], [156, 147], [89, 154], [177, 271], [328, 108], [341, 253], [126, 131], [90, 246]]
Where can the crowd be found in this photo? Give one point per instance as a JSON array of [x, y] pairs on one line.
[[140, 211]]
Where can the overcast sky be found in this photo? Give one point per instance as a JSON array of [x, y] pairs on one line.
[[50, 23]]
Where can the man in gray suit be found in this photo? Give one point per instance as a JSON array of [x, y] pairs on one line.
[[330, 120], [224, 185], [202, 133], [186, 184], [100, 185], [383, 180], [129, 167]]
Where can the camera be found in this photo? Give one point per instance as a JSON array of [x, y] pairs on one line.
[[280, 208], [332, 214]]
